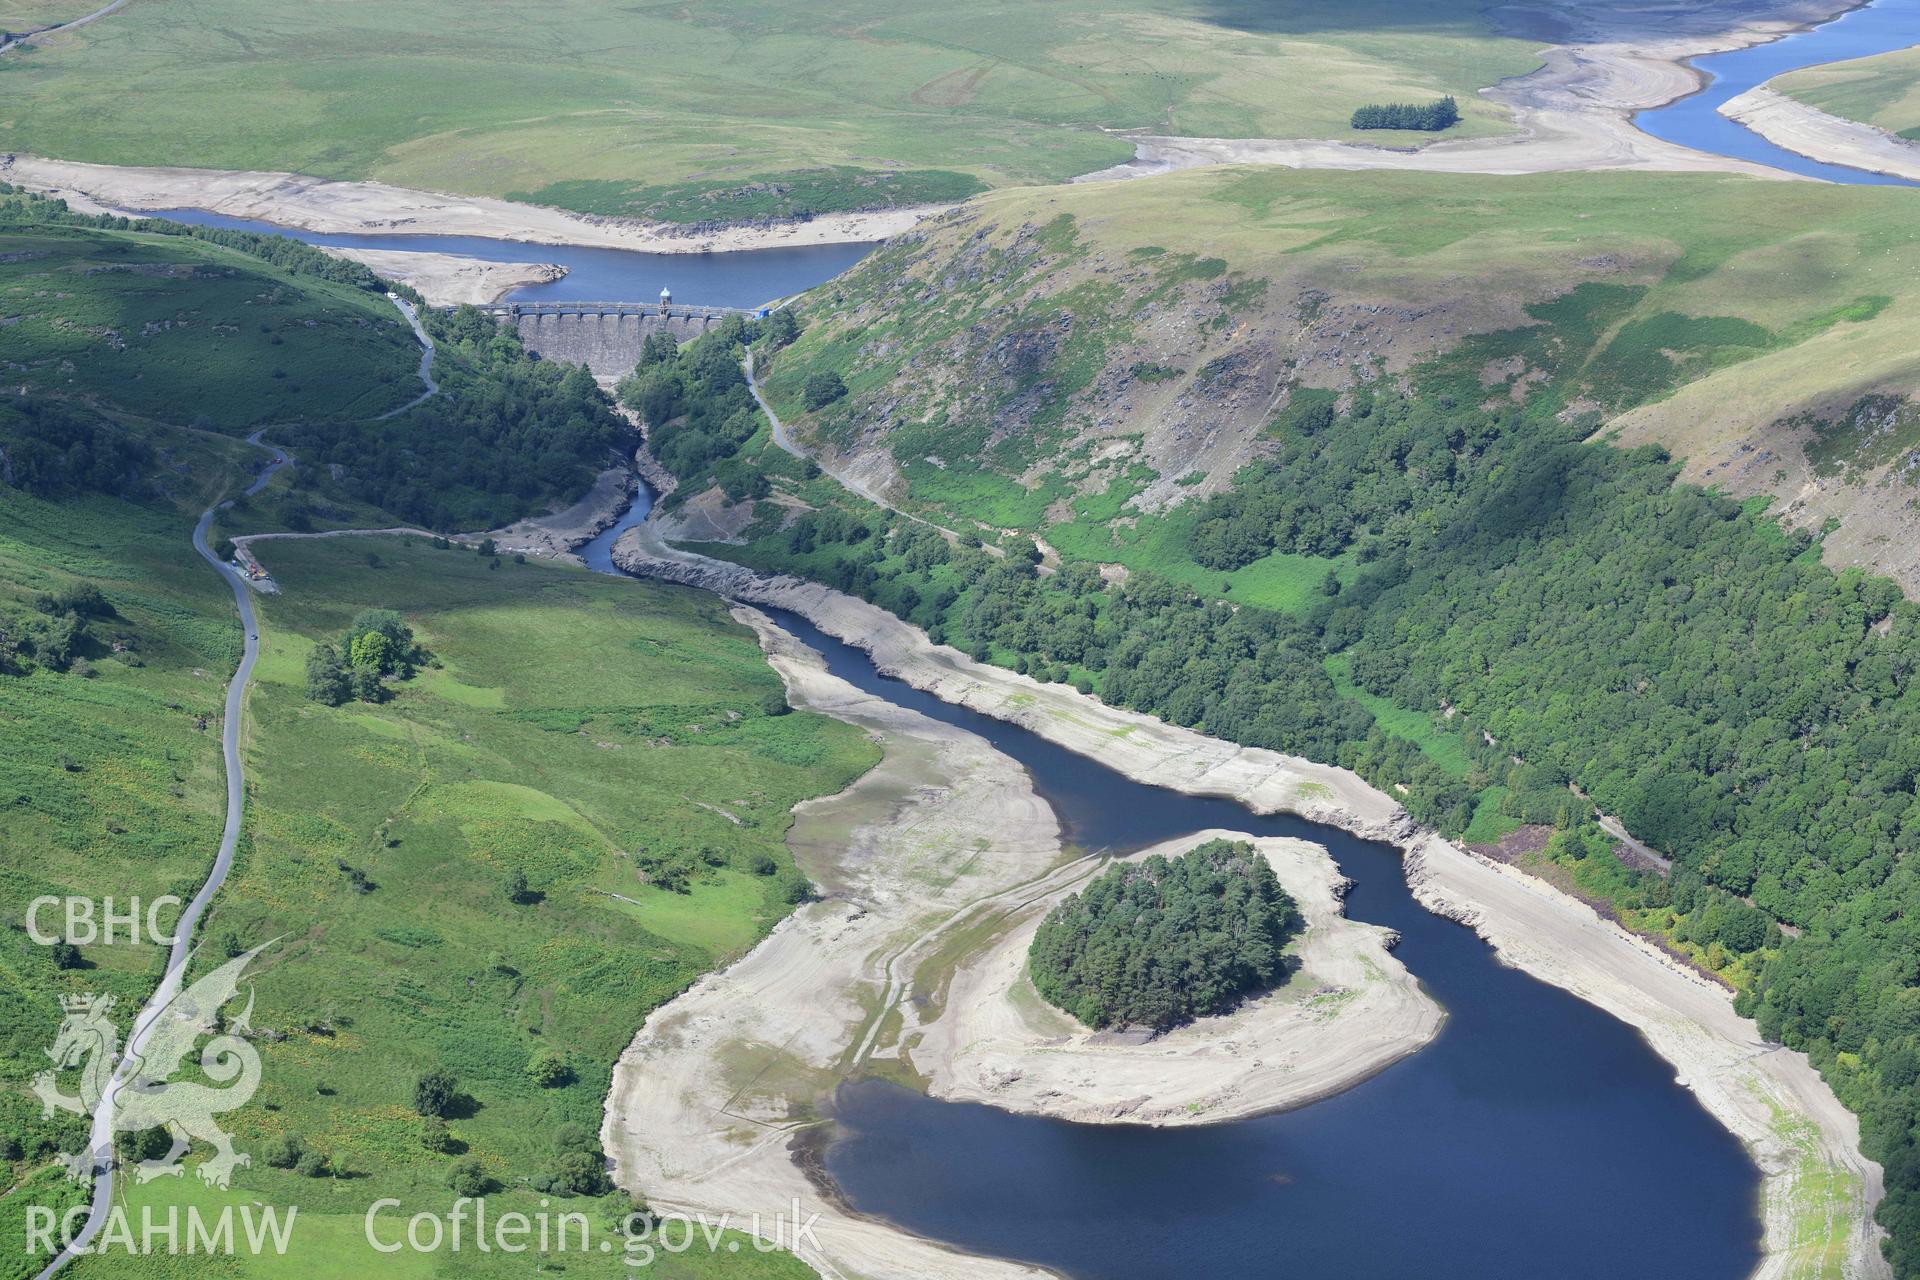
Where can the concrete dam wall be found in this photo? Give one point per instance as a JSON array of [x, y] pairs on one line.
[[608, 343]]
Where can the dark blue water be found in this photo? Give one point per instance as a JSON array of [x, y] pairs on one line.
[[602, 275], [1535, 1139], [598, 554], [1696, 121]]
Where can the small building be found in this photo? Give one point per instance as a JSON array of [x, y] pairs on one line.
[[666, 301]]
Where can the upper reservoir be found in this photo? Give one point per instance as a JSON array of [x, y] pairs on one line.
[[1695, 121], [744, 279]]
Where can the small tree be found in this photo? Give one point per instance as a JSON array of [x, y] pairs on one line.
[[434, 1092], [283, 1151], [517, 888], [327, 679], [435, 1136], [580, 1173], [469, 1178], [822, 389], [548, 1069]]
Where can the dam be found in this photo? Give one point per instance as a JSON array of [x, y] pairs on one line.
[[604, 336]]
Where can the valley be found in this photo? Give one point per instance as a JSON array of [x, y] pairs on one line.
[[1043, 441]]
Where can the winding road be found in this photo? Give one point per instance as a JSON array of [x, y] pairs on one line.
[[100, 1139], [784, 438], [31, 36], [412, 314]]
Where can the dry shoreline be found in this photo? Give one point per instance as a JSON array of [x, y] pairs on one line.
[[1805, 1143], [318, 204], [1602, 66], [447, 279], [1349, 1011], [1811, 132]]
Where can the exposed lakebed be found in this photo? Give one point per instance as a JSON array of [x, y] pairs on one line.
[[1535, 1136]]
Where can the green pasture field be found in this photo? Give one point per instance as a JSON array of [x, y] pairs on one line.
[[694, 113]]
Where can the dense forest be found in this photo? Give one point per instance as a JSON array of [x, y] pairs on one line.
[[698, 397], [1165, 940], [55, 450], [509, 434], [1598, 636], [1429, 117]]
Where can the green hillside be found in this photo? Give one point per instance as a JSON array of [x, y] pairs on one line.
[[166, 326], [1883, 90]]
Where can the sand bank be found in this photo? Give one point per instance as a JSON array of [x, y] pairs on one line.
[[447, 279], [1819, 1190], [1349, 1010], [709, 1098], [316, 204], [1602, 63], [1811, 132]]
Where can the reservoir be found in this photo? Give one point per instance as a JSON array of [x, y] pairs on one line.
[[744, 279], [1695, 121], [1535, 1137]]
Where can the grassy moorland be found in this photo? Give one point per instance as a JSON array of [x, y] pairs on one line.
[[663, 111], [1883, 90], [623, 747], [1410, 391], [495, 868], [1710, 313], [169, 327], [34, 15]]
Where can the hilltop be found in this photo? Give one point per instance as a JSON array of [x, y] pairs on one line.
[[1046, 359]]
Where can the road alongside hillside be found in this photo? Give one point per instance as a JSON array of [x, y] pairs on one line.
[[412, 314], [100, 1139], [31, 36]]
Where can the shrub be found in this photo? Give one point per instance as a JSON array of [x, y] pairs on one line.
[[548, 1069], [434, 1092], [822, 389], [469, 1178], [283, 1152], [435, 1136]]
